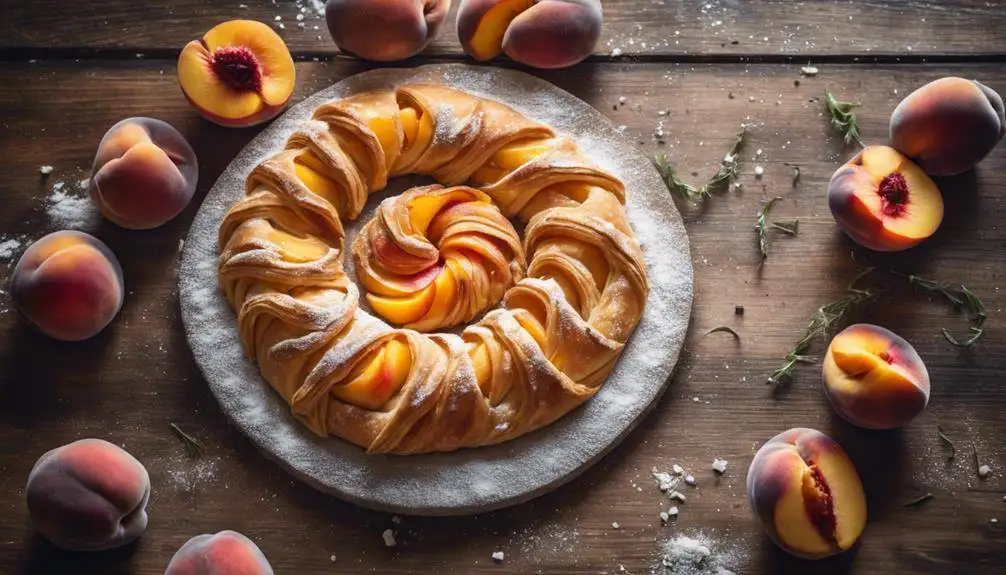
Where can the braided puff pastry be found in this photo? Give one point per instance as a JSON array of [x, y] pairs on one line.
[[571, 292]]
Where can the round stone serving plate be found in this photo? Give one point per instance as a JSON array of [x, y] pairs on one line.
[[469, 480]]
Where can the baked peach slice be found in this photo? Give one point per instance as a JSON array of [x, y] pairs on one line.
[[377, 377], [539, 33], [949, 125], [874, 378], [883, 201], [807, 494], [239, 74]]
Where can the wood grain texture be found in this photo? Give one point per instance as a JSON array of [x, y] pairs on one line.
[[802, 29], [127, 384]]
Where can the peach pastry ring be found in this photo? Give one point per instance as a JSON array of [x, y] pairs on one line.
[[570, 292]]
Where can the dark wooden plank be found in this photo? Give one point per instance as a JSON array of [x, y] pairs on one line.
[[632, 27], [129, 383]]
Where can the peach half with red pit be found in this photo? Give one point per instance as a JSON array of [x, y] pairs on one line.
[[239, 74], [807, 494], [874, 378], [885, 202]]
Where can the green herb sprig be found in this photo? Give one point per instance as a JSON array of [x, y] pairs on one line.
[[193, 447], [843, 119], [763, 227], [822, 322], [727, 173], [961, 299]]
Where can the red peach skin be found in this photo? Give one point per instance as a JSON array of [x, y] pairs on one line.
[[145, 173], [538, 33], [89, 495], [68, 285], [225, 553], [949, 125], [807, 494], [385, 30], [874, 378]]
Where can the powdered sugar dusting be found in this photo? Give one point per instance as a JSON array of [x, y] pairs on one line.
[[69, 207], [472, 480], [697, 554]]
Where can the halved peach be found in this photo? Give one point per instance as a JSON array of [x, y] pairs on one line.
[[807, 494], [874, 378], [239, 74], [884, 201]]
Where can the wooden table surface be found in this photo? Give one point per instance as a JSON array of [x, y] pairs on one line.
[[68, 71]]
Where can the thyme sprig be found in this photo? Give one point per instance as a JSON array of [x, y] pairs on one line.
[[843, 119], [727, 173], [193, 447], [763, 227], [822, 322], [791, 227]]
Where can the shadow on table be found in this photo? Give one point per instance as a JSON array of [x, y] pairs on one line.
[[43, 557]]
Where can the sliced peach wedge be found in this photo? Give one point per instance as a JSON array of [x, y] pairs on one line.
[[377, 377], [239, 74]]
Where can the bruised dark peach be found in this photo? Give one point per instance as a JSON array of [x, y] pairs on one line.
[[68, 285], [385, 30], [949, 125], [225, 553], [144, 173], [88, 495]]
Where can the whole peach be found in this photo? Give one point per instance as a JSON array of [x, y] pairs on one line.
[[68, 285], [874, 378], [807, 494], [949, 125], [88, 495], [883, 201], [385, 30], [226, 553], [144, 173], [539, 33]]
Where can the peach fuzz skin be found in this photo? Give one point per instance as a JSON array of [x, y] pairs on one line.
[[949, 125], [874, 378], [225, 553], [538, 33], [385, 30], [89, 495], [68, 285], [145, 173], [239, 74], [807, 494], [885, 202]]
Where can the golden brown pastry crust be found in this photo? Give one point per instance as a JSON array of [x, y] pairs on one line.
[[281, 268]]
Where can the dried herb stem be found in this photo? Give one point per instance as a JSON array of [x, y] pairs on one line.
[[763, 227], [843, 119], [822, 322], [725, 329], [193, 447], [919, 500], [791, 227], [727, 173], [961, 299], [949, 442]]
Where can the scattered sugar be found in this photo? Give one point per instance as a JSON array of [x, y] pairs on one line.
[[8, 247], [984, 471], [45, 170], [697, 554], [389, 538], [69, 207], [498, 556], [720, 466], [187, 474]]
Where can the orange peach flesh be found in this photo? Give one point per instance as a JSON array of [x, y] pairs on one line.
[[904, 196], [377, 377], [487, 43], [239, 70]]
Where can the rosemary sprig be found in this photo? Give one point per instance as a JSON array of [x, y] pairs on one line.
[[843, 119], [822, 322], [193, 447], [674, 184], [726, 329], [960, 298], [791, 227], [949, 442], [763, 227], [729, 167], [720, 182], [919, 500]]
